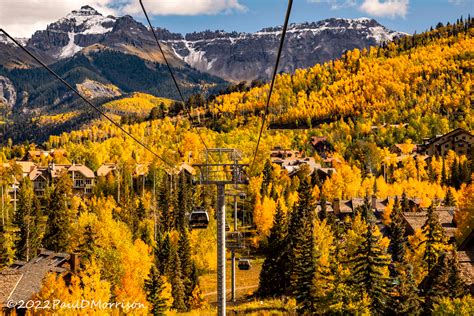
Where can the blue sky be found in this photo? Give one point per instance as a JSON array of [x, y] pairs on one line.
[[420, 15], [23, 17]]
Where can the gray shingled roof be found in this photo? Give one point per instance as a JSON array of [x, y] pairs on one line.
[[22, 280], [466, 261]]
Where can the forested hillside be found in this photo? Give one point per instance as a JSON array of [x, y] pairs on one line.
[[424, 80]]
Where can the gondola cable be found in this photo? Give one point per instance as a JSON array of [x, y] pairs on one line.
[[171, 72], [102, 113], [285, 27]]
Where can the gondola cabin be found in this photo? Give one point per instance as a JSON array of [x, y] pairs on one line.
[[244, 264], [198, 219]]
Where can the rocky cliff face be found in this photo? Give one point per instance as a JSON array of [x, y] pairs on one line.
[[7, 92], [243, 56]]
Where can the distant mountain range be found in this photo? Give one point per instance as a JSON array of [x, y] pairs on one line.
[[232, 56]]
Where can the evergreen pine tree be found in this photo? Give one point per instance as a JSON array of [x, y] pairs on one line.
[[137, 218], [60, 217], [267, 177], [162, 253], [465, 173], [404, 299], [303, 213], [184, 201], [303, 271], [449, 199], [434, 286], [175, 276], [455, 177], [397, 233], [405, 203], [187, 266], [155, 292], [369, 263], [273, 280], [455, 284], [444, 178], [434, 237], [29, 221]]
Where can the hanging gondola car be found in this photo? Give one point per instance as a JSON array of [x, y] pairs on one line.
[[244, 264], [198, 219]]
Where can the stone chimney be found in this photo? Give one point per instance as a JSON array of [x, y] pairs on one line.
[[336, 206], [74, 262]]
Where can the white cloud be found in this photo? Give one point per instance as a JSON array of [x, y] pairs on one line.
[[22, 18], [461, 2], [389, 8], [185, 7], [336, 4]]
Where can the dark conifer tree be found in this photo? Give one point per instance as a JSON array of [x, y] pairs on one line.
[[184, 201], [154, 287], [449, 199], [304, 268], [368, 262], [397, 234], [273, 276], [29, 221], [60, 217], [434, 285], [404, 299], [175, 276], [162, 253], [405, 203], [434, 237], [187, 265], [455, 174], [444, 177], [455, 284], [267, 177], [303, 214]]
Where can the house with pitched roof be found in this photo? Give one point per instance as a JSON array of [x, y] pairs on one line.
[[459, 140], [22, 280]]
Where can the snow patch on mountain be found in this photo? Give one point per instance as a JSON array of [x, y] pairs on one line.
[[195, 58], [71, 48], [89, 21]]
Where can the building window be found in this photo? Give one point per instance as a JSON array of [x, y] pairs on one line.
[[88, 190], [79, 183], [88, 181]]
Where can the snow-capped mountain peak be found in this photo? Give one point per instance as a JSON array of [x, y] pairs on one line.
[[87, 20], [83, 11], [70, 34]]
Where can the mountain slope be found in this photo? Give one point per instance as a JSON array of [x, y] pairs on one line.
[[414, 79]]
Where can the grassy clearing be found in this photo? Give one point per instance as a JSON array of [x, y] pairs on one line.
[[247, 281]]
